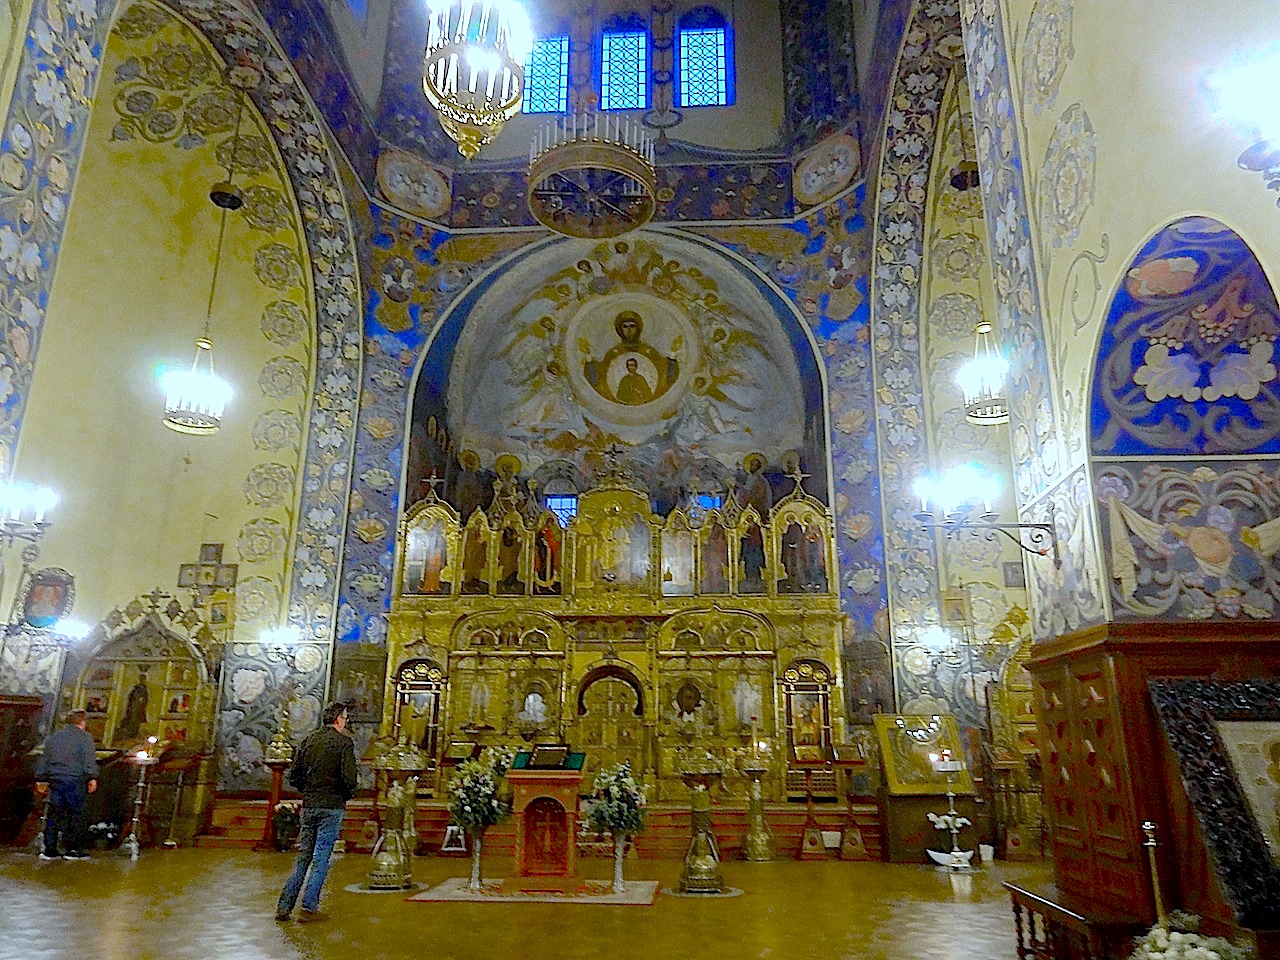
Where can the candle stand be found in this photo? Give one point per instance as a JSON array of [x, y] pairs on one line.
[[145, 760], [701, 872], [757, 844]]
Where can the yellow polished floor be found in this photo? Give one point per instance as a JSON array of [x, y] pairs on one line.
[[211, 904]]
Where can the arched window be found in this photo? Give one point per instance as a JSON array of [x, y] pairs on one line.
[[704, 62], [624, 64], [359, 9], [546, 76]]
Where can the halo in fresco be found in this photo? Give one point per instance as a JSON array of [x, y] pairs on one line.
[[412, 185], [648, 341], [631, 359], [827, 169]]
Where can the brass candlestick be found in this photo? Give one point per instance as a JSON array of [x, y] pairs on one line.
[[1149, 828], [701, 872], [392, 867], [757, 845]]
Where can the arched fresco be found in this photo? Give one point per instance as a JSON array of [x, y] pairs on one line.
[[1186, 362], [655, 343], [1184, 396]]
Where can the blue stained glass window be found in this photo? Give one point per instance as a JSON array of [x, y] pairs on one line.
[[710, 501], [705, 59], [360, 8], [564, 506], [546, 76], [624, 70]]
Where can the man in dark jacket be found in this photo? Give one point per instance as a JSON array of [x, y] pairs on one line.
[[67, 770], [324, 770]]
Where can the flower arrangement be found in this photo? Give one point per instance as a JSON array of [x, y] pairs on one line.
[[476, 800], [617, 802], [287, 818], [949, 821], [103, 834], [1178, 938]]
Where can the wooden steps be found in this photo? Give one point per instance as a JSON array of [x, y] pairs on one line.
[[237, 823]]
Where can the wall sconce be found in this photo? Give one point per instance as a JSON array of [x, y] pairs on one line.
[[941, 644], [955, 495], [281, 642]]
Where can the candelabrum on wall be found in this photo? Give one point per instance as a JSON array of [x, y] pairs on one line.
[[42, 597], [949, 503]]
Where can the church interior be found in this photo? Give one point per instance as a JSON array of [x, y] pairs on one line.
[[856, 420]]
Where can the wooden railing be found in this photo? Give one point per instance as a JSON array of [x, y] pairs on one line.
[[1048, 930]]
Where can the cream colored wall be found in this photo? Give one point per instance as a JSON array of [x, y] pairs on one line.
[[133, 277], [14, 15], [1138, 71], [364, 43]]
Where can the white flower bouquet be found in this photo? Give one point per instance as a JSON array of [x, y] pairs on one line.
[[617, 803], [949, 821], [1178, 938], [475, 798]]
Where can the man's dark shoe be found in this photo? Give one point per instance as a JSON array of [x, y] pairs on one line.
[[312, 916], [75, 855], [283, 917]]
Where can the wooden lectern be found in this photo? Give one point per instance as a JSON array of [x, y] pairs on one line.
[[545, 782]]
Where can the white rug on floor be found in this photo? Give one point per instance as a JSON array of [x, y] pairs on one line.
[[638, 893]]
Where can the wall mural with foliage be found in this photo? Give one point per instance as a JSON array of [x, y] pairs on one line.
[[1187, 359], [1039, 452], [43, 137], [168, 88], [1191, 540], [1187, 369], [931, 48]]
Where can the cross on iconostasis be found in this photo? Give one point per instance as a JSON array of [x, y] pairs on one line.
[[208, 575]]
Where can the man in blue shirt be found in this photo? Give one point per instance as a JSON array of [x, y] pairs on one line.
[[68, 772], [324, 770]]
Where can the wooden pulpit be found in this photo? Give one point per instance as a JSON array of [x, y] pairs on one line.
[[544, 784]]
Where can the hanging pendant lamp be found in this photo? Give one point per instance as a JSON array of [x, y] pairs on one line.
[[195, 399]]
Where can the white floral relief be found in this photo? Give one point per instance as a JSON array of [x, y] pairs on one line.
[[276, 430]]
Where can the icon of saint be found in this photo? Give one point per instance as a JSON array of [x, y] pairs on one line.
[[135, 709], [633, 388], [631, 371]]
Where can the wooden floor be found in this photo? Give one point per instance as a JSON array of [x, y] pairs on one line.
[[194, 904]]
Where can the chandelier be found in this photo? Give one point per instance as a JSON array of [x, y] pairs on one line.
[[473, 67], [591, 175], [982, 380], [195, 398]]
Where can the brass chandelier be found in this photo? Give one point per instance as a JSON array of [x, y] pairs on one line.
[[591, 175], [473, 67]]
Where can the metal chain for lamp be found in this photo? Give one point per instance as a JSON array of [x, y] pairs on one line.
[[196, 398]]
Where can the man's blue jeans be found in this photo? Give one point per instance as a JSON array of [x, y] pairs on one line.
[[65, 815], [316, 837]]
